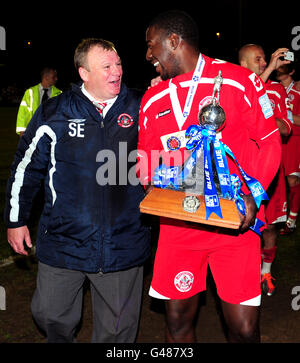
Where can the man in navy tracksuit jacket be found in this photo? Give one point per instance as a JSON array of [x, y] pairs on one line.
[[91, 225]]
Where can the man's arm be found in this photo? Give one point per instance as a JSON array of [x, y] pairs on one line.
[[263, 130], [27, 172], [296, 119], [24, 113], [251, 209], [284, 131], [282, 109], [274, 63]]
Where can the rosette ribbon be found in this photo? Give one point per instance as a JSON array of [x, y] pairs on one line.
[[200, 140]]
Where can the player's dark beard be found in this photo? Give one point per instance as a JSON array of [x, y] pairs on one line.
[[172, 71]]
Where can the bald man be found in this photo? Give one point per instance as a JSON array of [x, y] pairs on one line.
[[252, 56]]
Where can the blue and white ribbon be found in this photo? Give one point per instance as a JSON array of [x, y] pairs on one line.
[[200, 140]]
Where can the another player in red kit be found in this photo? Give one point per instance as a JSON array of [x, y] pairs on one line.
[[186, 249], [291, 148], [252, 56]]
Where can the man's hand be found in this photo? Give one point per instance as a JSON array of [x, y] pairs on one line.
[[275, 63], [148, 188], [251, 210], [16, 238], [155, 81], [276, 60]]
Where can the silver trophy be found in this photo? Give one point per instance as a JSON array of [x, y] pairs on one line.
[[212, 116]]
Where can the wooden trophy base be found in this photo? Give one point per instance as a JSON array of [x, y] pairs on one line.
[[169, 203]]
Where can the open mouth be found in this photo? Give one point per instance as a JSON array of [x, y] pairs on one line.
[[116, 84], [157, 66]]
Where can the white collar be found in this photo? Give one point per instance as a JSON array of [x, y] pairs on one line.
[[41, 87]]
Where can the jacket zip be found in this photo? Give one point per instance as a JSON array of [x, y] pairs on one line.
[[102, 215]]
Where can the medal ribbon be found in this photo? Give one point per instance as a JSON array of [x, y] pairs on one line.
[[181, 116], [193, 88], [290, 87]]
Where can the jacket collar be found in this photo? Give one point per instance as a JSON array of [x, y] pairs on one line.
[[76, 88]]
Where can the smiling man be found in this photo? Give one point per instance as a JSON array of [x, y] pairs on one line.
[[186, 249], [89, 228], [101, 71]]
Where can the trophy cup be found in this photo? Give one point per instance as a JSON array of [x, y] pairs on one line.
[[200, 190]]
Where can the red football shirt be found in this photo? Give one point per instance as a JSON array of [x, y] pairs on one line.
[[250, 130], [294, 97], [280, 102]]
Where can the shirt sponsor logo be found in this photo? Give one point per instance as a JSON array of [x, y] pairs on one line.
[[184, 281], [265, 106], [163, 113]]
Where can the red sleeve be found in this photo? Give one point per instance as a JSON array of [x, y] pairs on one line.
[[263, 129], [146, 142], [283, 109]]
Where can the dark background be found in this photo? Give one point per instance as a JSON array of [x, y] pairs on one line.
[[56, 28]]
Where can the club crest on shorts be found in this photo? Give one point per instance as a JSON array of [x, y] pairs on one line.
[[125, 120], [184, 281]]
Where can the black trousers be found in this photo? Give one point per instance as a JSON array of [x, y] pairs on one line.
[[116, 299]]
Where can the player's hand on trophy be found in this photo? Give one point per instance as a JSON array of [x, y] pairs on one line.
[[251, 209], [148, 188]]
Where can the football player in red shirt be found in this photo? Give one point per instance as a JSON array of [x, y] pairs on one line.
[[252, 56], [186, 249], [291, 148]]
